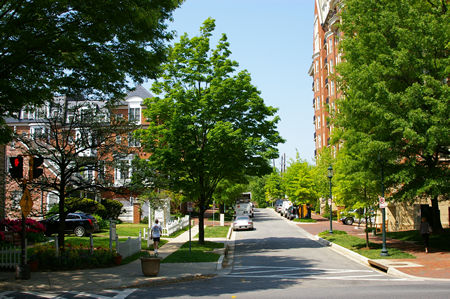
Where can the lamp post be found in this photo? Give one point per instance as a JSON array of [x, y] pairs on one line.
[[330, 175], [384, 251]]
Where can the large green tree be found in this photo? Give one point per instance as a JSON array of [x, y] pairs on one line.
[[209, 122], [274, 188], [299, 182], [396, 94], [77, 48]]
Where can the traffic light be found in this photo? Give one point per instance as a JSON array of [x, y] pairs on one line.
[[16, 169], [35, 171]]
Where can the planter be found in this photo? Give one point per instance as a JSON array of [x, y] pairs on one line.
[[118, 260], [150, 266], [34, 265]]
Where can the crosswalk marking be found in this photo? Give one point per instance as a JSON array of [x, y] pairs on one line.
[[306, 273]]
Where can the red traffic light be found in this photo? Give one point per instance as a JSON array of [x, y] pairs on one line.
[[16, 169], [16, 162]]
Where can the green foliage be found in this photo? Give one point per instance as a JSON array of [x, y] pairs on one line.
[[227, 192], [396, 104], [85, 205], [207, 122], [256, 187], [299, 182], [113, 208], [102, 223], [274, 188], [77, 257], [79, 48]]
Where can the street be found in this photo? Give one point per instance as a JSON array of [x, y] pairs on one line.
[[277, 259]]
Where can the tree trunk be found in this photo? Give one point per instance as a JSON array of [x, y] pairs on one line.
[[62, 222], [367, 231], [201, 224], [435, 220]]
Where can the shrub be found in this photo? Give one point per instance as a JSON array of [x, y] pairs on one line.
[[35, 230], [85, 205], [73, 257], [113, 208], [144, 220], [102, 223]]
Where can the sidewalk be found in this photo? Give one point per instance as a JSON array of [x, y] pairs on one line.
[[125, 276], [434, 265]]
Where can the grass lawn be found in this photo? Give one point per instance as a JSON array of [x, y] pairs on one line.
[[304, 220], [359, 246], [437, 241], [215, 232], [199, 253]]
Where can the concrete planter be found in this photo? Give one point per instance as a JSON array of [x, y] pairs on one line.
[[150, 266]]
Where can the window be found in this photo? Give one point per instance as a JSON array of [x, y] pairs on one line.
[[52, 199], [16, 196], [134, 115], [331, 87], [118, 139], [133, 141], [122, 171], [318, 122]]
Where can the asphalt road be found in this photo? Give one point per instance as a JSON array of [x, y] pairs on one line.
[[278, 260]]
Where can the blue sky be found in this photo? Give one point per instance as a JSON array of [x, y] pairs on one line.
[[272, 39]]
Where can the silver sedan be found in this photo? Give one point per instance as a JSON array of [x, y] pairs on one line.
[[242, 222]]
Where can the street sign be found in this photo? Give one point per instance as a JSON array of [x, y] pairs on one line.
[[189, 207], [26, 204], [382, 202]]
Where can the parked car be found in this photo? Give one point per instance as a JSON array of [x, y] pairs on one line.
[[243, 222], [356, 216], [278, 205], [291, 212], [285, 206], [80, 224]]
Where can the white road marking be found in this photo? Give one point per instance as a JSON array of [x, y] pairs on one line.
[[307, 273]]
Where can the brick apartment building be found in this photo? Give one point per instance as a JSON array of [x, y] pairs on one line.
[[325, 58], [27, 123], [326, 55]]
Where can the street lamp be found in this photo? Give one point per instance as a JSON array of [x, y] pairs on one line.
[[330, 176]]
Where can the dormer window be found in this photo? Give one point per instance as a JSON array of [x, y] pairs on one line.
[[134, 115]]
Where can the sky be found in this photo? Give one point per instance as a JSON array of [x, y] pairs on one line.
[[273, 40]]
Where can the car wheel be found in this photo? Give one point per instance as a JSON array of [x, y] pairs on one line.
[[79, 231], [348, 221]]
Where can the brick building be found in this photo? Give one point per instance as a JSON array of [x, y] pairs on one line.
[[325, 57], [29, 122]]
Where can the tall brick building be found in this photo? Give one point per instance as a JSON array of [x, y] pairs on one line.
[[325, 58]]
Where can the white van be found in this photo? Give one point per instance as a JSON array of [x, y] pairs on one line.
[[244, 209]]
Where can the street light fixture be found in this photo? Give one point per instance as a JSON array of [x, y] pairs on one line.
[[330, 176]]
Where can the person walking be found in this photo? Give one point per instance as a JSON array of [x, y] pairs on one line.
[[156, 235], [425, 230]]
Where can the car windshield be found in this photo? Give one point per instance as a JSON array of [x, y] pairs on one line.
[[242, 218]]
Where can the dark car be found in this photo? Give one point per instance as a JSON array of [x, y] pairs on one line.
[[291, 212], [80, 224]]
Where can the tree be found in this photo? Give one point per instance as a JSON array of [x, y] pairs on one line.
[[256, 187], [396, 95], [78, 143], [209, 122], [274, 187], [299, 182], [77, 48], [227, 192]]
